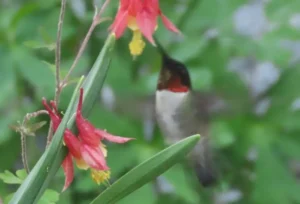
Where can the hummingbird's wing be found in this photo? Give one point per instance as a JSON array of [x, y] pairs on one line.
[[209, 104], [143, 108], [138, 107], [134, 106], [206, 104]]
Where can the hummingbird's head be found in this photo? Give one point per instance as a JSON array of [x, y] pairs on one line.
[[173, 76]]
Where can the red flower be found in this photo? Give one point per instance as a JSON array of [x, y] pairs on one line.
[[141, 17], [88, 133], [87, 149]]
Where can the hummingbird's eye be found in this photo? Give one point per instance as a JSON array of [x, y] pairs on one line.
[[182, 69]]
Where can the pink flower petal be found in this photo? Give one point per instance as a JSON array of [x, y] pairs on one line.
[[67, 166], [124, 3], [109, 137], [53, 104], [152, 4], [133, 7], [119, 25], [87, 133], [72, 143], [85, 128], [169, 25], [146, 21], [54, 117], [80, 101], [94, 157]]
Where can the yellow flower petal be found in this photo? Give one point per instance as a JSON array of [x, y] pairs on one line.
[[100, 176], [80, 163], [137, 45], [132, 23], [103, 149]]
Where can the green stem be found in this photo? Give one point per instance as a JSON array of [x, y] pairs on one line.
[[24, 152]]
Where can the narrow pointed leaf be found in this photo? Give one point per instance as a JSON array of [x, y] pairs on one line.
[[147, 171], [94, 81]]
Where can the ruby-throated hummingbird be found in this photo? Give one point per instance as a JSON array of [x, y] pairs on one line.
[[181, 112]]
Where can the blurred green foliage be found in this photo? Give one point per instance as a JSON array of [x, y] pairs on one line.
[[50, 196], [258, 152]]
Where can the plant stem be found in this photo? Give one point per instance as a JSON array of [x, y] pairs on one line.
[[96, 20], [24, 152], [58, 50], [23, 136], [33, 115], [57, 62]]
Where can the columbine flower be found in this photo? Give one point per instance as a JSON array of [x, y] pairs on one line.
[[91, 137], [87, 149], [140, 16]]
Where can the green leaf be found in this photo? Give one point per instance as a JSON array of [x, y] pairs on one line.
[[21, 173], [34, 71], [189, 49], [25, 10], [52, 68], [7, 95], [268, 187], [222, 135], [10, 178], [177, 177], [39, 45], [145, 193], [8, 198], [147, 171], [202, 78], [49, 197], [45, 169]]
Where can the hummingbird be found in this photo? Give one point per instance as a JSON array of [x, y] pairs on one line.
[[182, 112]]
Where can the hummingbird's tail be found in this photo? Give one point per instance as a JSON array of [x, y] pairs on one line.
[[205, 175], [203, 163]]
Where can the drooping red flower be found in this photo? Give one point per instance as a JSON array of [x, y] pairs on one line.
[[91, 135], [141, 17], [86, 149]]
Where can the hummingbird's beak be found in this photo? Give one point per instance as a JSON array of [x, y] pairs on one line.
[[161, 49]]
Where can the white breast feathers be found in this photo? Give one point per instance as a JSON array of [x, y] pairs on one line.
[[167, 105]]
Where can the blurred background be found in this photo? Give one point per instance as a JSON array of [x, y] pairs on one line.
[[247, 51]]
